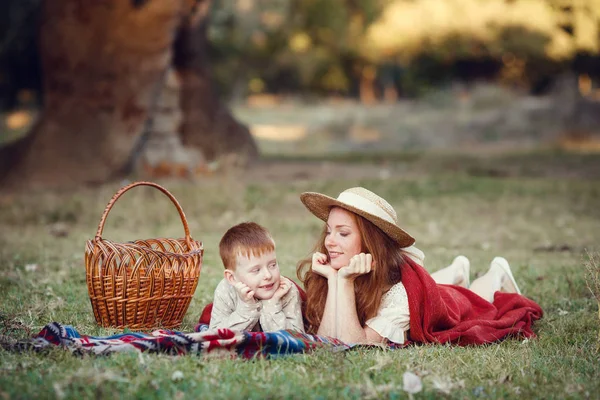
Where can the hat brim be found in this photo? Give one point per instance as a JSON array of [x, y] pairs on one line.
[[320, 205]]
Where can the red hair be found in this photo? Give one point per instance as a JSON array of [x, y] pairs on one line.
[[245, 239], [369, 288]]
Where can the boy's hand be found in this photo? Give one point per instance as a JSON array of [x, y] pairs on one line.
[[284, 287], [245, 293], [321, 267], [359, 265]]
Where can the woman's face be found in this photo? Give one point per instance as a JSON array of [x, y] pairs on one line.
[[342, 240]]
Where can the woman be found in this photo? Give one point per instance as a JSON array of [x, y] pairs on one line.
[[365, 284]]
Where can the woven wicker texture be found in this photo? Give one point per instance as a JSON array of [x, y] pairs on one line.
[[142, 284]]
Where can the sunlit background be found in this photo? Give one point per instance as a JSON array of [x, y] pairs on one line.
[[312, 76]]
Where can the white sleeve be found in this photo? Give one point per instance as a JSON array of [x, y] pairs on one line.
[[393, 318], [284, 314], [415, 254], [229, 311]]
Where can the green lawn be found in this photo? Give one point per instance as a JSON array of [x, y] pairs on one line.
[[541, 218]]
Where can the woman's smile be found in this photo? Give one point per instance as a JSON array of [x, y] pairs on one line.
[[334, 254]]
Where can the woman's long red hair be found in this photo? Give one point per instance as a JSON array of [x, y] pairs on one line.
[[388, 258]]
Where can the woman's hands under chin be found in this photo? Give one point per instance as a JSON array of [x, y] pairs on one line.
[[360, 264], [321, 267]]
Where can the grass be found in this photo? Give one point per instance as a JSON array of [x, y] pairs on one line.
[[543, 224]]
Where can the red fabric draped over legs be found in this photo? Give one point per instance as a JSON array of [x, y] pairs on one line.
[[449, 313]]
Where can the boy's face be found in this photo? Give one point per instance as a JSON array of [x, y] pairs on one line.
[[260, 274]]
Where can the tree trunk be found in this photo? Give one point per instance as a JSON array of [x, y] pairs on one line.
[[207, 123], [162, 154], [367, 85], [103, 64]]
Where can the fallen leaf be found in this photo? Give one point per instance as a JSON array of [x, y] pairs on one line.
[[443, 385], [177, 376], [411, 383], [31, 267], [517, 389], [60, 394]]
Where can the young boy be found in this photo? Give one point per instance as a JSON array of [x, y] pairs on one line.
[[253, 296]]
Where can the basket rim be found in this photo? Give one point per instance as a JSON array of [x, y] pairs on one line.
[[95, 242], [126, 188]]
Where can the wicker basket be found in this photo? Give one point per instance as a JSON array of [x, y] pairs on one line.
[[145, 283]]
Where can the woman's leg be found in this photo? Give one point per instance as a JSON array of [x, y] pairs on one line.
[[498, 278], [456, 273]]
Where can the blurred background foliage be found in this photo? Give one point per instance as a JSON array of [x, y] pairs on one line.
[[405, 46], [372, 49]]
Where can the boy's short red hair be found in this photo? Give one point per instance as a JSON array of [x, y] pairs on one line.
[[246, 239]]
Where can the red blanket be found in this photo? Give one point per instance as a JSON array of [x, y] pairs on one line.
[[448, 313]]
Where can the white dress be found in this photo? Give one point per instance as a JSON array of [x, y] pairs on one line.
[[229, 311], [393, 318]]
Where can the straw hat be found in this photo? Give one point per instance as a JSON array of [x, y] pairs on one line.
[[364, 203]]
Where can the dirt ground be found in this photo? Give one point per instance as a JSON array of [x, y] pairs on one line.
[[492, 132], [534, 164]]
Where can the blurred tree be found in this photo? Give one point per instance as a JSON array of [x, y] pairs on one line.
[[207, 123], [19, 60], [580, 19], [104, 65], [323, 45], [293, 45], [373, 47], [519, 35]]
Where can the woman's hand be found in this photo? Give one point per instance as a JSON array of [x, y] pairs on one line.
[[360, 264], [321, 267], [284, 287]]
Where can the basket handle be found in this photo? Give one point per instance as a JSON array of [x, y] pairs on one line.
[[132, 185]]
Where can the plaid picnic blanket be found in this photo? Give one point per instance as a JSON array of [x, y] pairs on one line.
[[218, 343]]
